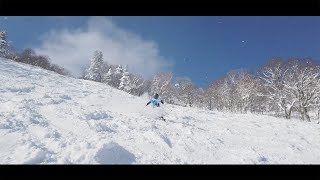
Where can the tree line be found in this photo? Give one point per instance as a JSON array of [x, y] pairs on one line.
[[280, 87], [27, 56]]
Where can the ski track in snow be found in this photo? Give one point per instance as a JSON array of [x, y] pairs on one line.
[[46, 118]]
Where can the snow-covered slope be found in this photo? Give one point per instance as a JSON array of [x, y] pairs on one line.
[[49, 118]]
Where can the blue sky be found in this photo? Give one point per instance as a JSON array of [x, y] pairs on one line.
[[195, 47]]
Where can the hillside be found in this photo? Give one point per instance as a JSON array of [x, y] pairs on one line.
[[49, 118]]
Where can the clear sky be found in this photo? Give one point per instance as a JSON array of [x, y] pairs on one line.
[[199, 47]]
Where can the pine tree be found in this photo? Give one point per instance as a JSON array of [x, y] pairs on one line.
[[4, 46], [117, 76], [94, 71], [108, 77], [125, 81]]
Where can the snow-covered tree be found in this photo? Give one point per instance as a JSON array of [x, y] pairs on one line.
[[161, 84], [104, 69], [186, 91], [125, 83], [302, 81], [209, 96], [5, 50], [228, 91], [107, 77], [259, 103], [273, 75], [94, 71], [137, 84], [146, 87], [214, 95], [245, 90], [27, 56], [199, 100], [118, 73], [292, 83], [317, 105]]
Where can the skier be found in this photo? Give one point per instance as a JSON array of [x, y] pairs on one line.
[[155, 103]]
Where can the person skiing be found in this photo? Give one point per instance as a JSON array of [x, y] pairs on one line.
[[155, 103]]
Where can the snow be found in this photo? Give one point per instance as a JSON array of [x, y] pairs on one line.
[[46, 118]]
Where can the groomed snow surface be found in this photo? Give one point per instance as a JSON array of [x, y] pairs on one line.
[[46, 118]]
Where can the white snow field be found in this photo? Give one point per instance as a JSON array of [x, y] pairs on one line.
[[46, 118]]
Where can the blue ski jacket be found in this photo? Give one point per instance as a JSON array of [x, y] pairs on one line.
[[154, 102]]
